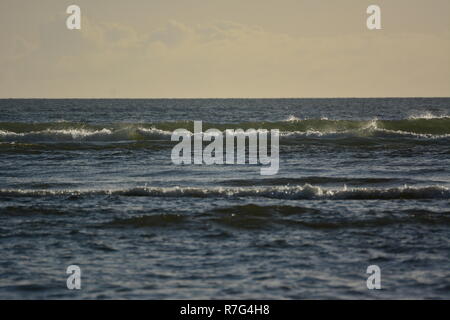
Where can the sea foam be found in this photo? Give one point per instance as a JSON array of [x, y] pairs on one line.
[[305, 192]]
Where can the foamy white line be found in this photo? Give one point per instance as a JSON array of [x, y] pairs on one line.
[[427, 116], [82, 134], [293, 118], [306, 192], [130, 134], [424, 116]]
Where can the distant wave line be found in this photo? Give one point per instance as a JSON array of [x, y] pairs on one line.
[[305, 192]]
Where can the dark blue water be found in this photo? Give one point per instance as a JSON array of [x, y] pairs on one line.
[[91, 182]]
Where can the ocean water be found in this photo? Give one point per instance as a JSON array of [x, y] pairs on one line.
[[91, 183]]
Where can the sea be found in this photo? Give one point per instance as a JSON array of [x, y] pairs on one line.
[[91, 183]]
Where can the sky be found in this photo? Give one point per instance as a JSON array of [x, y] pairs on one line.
[[224, 49]]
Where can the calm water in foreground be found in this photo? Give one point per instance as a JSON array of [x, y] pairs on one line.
[[91, 183]]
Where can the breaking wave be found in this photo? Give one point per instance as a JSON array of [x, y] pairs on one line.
[[89, 135], [426, 127], [305, 192]]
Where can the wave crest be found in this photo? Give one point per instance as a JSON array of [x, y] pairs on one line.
[[423, 128], [305, 192]]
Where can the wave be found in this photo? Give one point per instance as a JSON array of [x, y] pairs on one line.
[[428, 115], [293, 127], [305, 192], [417, 127], [80, 135], [255, 216], [242, 216], [252, 216]]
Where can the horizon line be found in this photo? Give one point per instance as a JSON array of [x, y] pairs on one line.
[[219, 98]]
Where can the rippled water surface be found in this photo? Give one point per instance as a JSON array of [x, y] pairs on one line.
[[91, 182]]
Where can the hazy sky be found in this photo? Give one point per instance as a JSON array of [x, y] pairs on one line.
[[224, 48]]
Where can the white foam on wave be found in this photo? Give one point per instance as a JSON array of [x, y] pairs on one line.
[[427, 116], [152, 132], [63, 135], [413, 134], [368, 129], [305, 192], [54, 135], [373, 126], [293, 118]]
